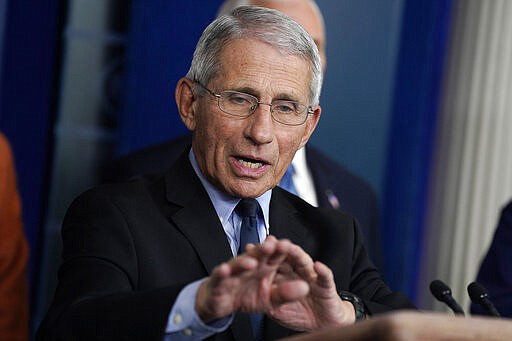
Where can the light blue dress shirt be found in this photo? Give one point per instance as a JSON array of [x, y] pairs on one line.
[[183, 322]]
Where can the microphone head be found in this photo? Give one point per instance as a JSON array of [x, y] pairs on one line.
[[440, 290], [477, 292]]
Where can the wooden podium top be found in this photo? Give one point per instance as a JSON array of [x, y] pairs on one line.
[[416, 326]]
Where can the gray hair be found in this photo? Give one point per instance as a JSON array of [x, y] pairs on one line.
[[263, 24], [229, 6]]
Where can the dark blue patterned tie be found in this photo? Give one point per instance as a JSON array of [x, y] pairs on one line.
[[247, 210]]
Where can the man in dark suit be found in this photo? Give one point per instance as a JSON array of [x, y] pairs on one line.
[[494, 271], [177, 255], [319, 180]]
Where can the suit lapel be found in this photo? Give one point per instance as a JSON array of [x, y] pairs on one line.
[[196, 218], [284, 221]]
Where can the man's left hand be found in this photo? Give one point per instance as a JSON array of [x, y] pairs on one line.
[[322, 307]]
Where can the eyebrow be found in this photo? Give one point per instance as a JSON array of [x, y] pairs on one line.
[[279, 96]]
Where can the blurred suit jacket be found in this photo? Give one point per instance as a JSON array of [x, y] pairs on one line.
[[336, 187], [495, 273], [129, 248]]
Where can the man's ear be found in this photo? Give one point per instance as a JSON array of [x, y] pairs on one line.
[[185, 100], [311, 123]]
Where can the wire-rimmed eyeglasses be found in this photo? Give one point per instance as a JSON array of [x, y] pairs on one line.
[[241, 104]]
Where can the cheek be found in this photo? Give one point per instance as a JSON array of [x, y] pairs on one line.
[[212, 123], [206, 126], [290, 139], [213, 135], [288, 145]]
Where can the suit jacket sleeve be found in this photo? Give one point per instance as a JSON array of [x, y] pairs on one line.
[[367, 283], [100, 295], [334, 238], [494, 272]]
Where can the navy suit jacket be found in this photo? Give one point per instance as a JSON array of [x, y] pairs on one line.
[[495, 273], [333, 184], [129, 248]]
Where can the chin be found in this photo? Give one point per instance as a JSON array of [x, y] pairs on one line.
[[245, 191]]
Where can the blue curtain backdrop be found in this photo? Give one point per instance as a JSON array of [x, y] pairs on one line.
[[29, 74], [425, 29], [161, 40]]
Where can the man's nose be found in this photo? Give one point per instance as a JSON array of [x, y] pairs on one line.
[[261, 127]]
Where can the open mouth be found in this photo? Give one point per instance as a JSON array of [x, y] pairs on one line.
[[250, 163]]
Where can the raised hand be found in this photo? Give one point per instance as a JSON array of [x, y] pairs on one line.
[[322, 306], [248, 283]]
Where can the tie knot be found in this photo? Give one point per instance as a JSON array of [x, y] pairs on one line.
[[247, 208]]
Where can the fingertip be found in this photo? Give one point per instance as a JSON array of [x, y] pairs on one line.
[[320, 267], [221, 270], [324, 272], [248, 262], [303, 288], [290, 291], [285, 245]]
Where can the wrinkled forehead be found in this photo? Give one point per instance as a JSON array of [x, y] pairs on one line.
[[249, 50], [253, 66]]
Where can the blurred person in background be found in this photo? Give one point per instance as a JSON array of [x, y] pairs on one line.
[[495, 272]]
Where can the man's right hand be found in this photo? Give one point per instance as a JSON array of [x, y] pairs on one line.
[[247, 283]]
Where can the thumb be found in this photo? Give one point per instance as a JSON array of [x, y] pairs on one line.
[[288, 291]]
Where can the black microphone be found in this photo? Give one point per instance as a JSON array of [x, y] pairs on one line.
[[479, 295], [443, 293]]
